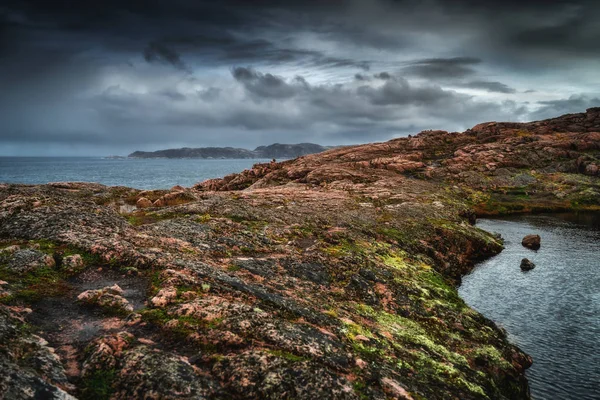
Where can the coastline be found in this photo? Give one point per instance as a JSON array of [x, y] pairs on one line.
[[332, 275], [380, 289]]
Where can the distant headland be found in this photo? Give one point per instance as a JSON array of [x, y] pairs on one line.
[[275, 150]]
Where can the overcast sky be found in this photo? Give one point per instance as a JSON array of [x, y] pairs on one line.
[[113, 76]]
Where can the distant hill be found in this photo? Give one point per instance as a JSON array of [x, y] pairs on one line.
[[276, 150]]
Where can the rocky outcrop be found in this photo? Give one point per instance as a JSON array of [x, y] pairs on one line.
[[330, 276], [497, 158], [532, 242], [527, 265]]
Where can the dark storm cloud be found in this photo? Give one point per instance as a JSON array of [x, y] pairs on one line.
[[299, 107], [267, 85], [400, 92], [226, 48], [133, 71], [159, 52], [456, 67]]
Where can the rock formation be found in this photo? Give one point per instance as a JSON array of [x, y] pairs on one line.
[[531, 242], [332, 276], [527, 265]]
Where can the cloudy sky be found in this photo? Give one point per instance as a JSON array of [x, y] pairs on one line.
[[113, 76]]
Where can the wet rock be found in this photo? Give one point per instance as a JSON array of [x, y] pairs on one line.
[[531, 242], [527, 265], [109, 298]]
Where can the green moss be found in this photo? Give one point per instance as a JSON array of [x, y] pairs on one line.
[[98, 385], [360, 388], [347, 248], [143, 218], [184, 288], [492, 356], [35, 285], [403, 237], [233, 268], [185, 325], [204, 218], [157, 316], [237, 218], [45, 245]]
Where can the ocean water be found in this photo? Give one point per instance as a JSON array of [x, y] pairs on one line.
[[553, 311], [154, 173]]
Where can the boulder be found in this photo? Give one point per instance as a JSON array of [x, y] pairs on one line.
[[527, 265], [531, 242], [143, 202]]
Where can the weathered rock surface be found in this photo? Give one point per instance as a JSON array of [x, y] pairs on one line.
[[527, 265], [532, 242], [331, 276], [26, 260], [29, 368]]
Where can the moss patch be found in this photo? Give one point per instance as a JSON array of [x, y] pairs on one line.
[[98, 385]]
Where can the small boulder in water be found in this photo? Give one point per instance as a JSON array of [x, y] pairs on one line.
[[531, 242], [527, 265]]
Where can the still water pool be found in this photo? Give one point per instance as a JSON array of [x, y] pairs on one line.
[[553, 311]]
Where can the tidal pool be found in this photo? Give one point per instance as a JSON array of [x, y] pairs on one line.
[[553, 311]]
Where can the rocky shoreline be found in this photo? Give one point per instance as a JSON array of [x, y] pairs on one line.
[[330, 276]]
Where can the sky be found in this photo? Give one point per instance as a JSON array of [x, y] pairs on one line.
[[110, 77]]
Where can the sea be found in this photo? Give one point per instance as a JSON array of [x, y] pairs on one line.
[[553, 311], [139, 173]]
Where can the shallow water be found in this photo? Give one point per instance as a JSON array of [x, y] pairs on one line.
[[553, 311], [152, 173]]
